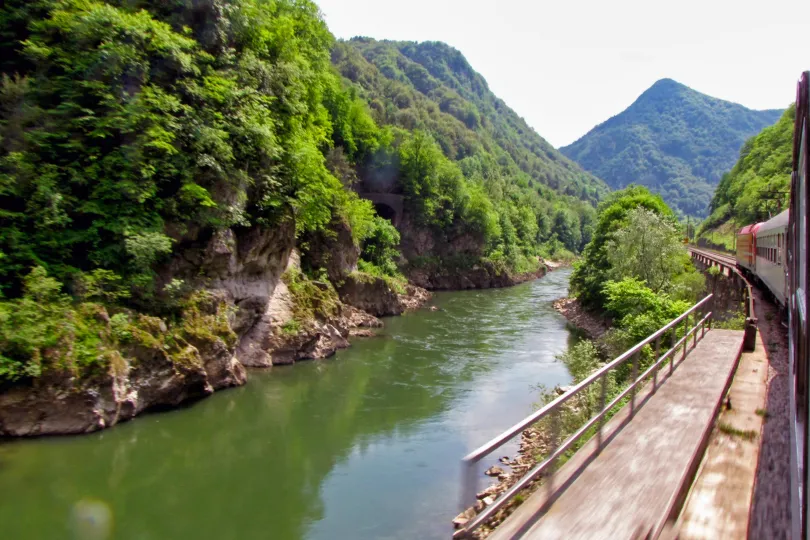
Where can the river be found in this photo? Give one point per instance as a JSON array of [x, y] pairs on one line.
[[364, 445]]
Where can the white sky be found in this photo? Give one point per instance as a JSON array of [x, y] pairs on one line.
[[567, 65]]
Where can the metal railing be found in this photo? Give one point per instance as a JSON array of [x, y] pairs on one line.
[[470, 463], [724, 262], [740, 281]]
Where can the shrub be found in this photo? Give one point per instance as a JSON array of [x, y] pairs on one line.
[[43, 331], [380, 247], [311, 299]]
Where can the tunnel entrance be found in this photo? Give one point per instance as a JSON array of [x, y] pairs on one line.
[[388, 205], [385, 211]]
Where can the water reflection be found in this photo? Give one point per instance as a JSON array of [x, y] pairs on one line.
[[364, 445]]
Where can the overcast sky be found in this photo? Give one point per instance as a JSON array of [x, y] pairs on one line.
[[566, 66]]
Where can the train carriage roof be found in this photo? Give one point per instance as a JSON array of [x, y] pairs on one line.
[[779, 221], [750, 229]]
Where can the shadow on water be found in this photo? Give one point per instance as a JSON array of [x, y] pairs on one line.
[[363, 445]]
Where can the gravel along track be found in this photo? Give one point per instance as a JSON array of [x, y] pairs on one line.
[[770, 517]]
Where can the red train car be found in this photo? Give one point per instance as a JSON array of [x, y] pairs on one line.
[[746, 247]]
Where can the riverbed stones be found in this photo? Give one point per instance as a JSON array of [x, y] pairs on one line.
[[494, 471], [460, 520]]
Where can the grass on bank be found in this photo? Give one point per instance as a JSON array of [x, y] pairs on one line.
[[722, 237]]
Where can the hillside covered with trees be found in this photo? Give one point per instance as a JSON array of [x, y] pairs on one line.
[[757, 187], [431, 88], [179, 197], [672, 139]]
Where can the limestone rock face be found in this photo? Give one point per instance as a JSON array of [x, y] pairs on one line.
[[371, 294]]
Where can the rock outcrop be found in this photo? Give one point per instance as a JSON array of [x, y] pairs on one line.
[[241, 270], [143, 378]]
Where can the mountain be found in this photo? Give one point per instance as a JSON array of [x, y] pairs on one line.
[[431, 86], [672, 139]]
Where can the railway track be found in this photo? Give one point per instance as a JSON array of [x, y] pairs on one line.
[[723, 258]]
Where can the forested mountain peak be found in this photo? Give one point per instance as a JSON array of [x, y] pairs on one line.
[[672, 139]]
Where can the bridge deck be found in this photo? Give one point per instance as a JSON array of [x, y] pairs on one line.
[[634, 483]]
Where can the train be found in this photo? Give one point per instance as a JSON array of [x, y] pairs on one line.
[[762, 254], [796, 302], [775, 254]]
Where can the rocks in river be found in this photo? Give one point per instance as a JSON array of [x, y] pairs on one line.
[[460, 520], [504, 460], [491, 490], [560, 390], [376, 296], [362, 332], [494, 471]]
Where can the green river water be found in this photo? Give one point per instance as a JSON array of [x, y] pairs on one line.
[[364, 445]]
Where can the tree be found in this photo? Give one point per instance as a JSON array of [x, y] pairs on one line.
[[593, 270], [649, 248]]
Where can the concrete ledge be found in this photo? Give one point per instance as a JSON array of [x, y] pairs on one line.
[[629, 487]]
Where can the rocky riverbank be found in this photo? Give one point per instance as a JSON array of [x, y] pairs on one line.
[[275, 316], [593, 325], [262, 312], [534, 447], [146, 376], [478, 276]]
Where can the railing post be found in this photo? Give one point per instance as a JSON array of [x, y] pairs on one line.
[[685, 337], [468, 485], [694, 336], [703, 324], [657, 357], [674, 341], [602, 403], [633, 383], [555, 431]]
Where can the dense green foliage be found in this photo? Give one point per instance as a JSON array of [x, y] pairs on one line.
[[465, 155], [636, 269], [594, 269], [649, 248], [380, 247], [121, 124], [672, 139], [134, 129], [758, 185], [638, 311]]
